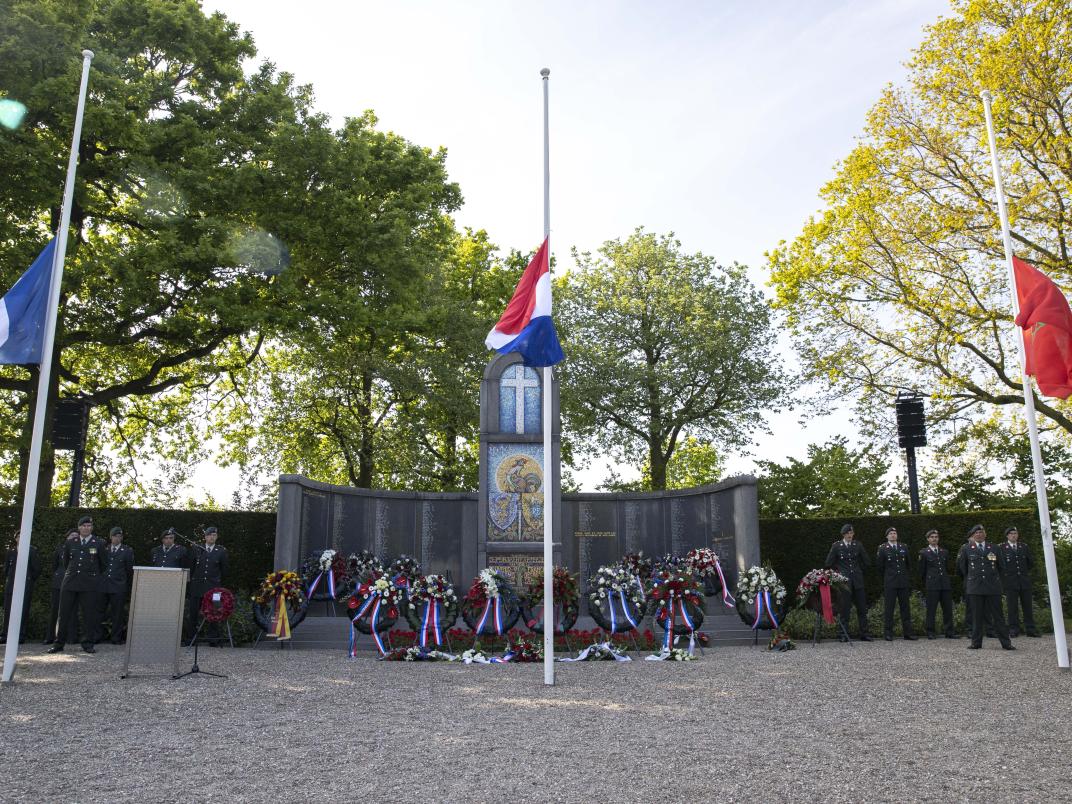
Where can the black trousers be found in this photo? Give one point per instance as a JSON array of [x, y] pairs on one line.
[[89, 604], [54, 619], [1013, 600], [987, 609], [858, 597], [900, 596], [945, 597], [112, 604], [25, 610]]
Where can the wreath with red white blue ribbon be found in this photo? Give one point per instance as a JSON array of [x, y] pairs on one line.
[[677, 595], [374, 608], [704, 564], [491, 606], [432, 608], [616, 599], [325, 576]]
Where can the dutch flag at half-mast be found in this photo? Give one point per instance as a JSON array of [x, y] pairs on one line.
[[22, 312], [526, 327]]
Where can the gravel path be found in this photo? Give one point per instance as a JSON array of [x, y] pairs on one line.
[[878, 722]]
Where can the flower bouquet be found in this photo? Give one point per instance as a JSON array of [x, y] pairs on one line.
[[600, 652], [525, 648], [415, 653], [431, 608], [820, 591], [704, 564], [566, 595], [678, 601], [761, 598], [491, 604], [616, 599], [324, 575], [374, 608], [279, 604]]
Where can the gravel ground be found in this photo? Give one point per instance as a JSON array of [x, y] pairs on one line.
[[877, 722]]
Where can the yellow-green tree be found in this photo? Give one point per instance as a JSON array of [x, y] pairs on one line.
[[899, 283]]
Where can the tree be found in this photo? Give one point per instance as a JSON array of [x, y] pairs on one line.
[[661, 345], [900, 283], [836, 480], [693, 464]]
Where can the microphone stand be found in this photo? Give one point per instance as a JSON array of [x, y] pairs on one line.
[[197, 633]]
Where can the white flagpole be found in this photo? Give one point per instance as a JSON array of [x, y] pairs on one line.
[[45, 373], [1056, 611], [548, 497]]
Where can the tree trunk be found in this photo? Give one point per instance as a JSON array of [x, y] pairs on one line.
[[365, 454], [657, 464]]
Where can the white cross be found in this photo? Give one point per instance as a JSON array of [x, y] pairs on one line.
[[519, 383]]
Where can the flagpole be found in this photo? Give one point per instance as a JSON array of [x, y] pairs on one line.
[[1060, 638], [33, 467], [549, 503]]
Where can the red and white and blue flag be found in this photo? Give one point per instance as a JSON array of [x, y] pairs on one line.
[[526, 327]]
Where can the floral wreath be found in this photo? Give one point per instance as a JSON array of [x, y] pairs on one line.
[[491, 605], [677, 594], [760, 586], [405, 570], [374, 608], [217, 611], [616, 598], [324, 575], [432, 608], [360, 565], [279, 604], [566, 594], [637, 564], [704, 564], [525, 648], [670, 563], [823, 581]]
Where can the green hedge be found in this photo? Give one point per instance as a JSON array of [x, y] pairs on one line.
[[795, 546]]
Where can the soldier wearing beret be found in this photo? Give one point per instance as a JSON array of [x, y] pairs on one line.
[[933, 570], [980, 565], [210, 567], [57, 582], [33, 569], [167, 553], [1017, 581], [118, 576], [893, 564], [83, 560], [848, 557]]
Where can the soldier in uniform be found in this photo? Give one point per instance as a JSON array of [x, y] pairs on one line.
[[33, 569], [167, 553], [118, 575], [57, 581], [848, 557], [210, 566], [84, 561], [1017, 581], [933, 563], [893, 564], [980, 565]]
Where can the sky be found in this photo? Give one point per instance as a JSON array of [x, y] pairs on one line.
[[719, 122]]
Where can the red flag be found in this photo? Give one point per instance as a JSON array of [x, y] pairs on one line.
[[1047, 323]]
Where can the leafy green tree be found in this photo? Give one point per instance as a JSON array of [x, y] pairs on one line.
[[661, 345], [693, 464], [835, 480], [900, 283]]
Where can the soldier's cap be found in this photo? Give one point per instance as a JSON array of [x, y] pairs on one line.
[[115, 531], [975, 529], [1012, 529], [846, 529], [929, 532], [86, 520], [889, 530], [212, 529], [169, 532]]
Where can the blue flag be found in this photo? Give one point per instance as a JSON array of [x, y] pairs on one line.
[[22, 311]]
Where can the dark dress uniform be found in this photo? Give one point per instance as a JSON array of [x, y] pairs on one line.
[[850, 558], [980, 564], [893, 564], [118, 575], [933, 563], [33, 570], [174, 556], [210, 565], [58, 571], [82, 582], [1018, 584]]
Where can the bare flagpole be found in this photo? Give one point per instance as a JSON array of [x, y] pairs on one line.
[[549, 502], [1056, 611], [33, 468]]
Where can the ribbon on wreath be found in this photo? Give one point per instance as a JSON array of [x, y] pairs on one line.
[[316, 582], [824, 597], [676, 604], [538, 619], [727, 598], [488, 606], [600, 646], [280, 620], [625, 611], [431, 620], [371, 602], [763, 601]]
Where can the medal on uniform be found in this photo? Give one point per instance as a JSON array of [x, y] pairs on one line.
[[992, 557]]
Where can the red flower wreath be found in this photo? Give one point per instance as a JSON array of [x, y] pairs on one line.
[[217, 613]]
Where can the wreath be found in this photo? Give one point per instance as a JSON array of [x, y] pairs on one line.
[[820, 591], [325, 576], [491, 605], [405, 570], [431, 608], [361, 565], [678, 601], [670, 563], [285, 586], [375, 604], [761, 599], [217, 611], [616, 599], [566, 595], [637, 564], [704, 564]]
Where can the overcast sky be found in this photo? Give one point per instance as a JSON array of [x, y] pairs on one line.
[[717, 121]]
